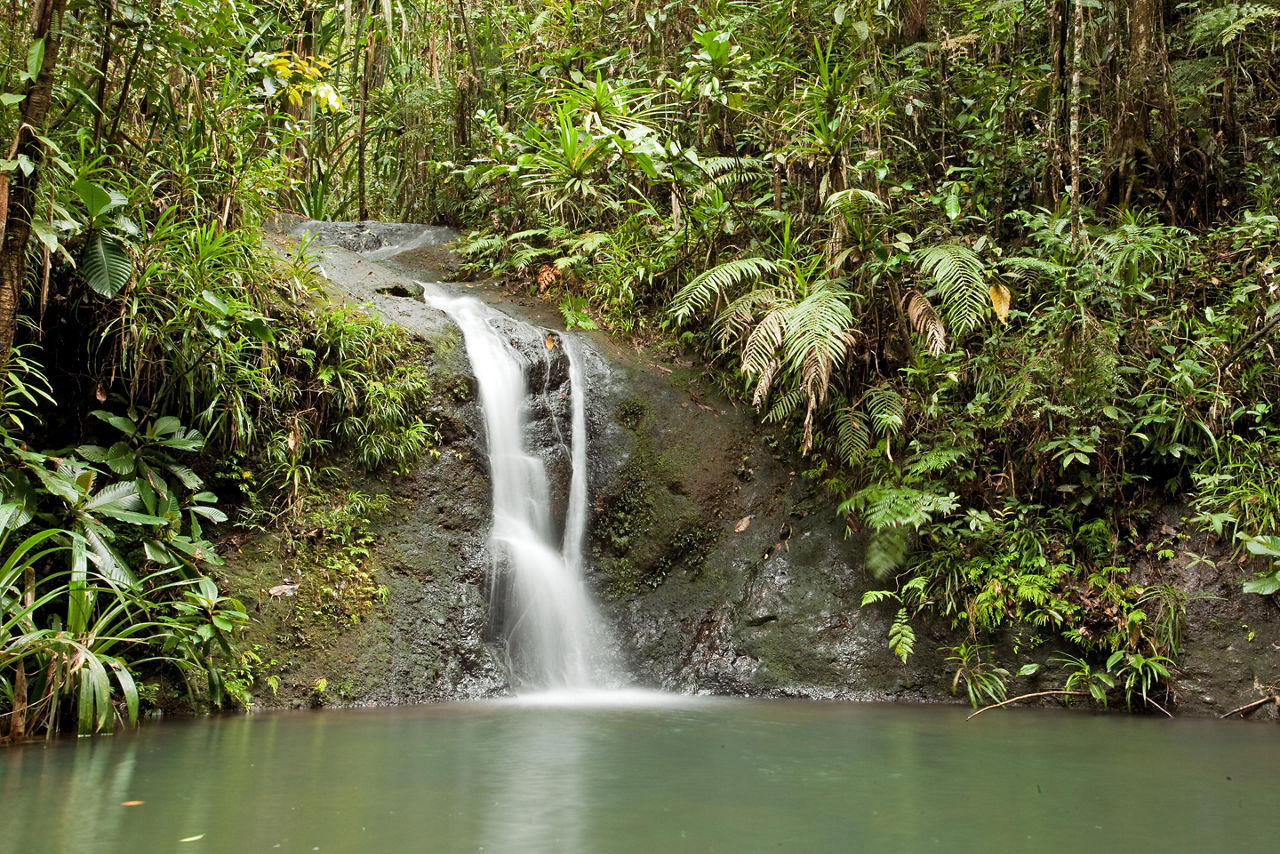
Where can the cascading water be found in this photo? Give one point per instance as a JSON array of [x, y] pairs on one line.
[[547, 617]]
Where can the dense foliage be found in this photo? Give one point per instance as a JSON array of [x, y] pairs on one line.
[[157, 356], [1002, 272]]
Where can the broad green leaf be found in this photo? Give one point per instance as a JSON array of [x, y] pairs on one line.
[[259, 329], [105, 265], [121, 458], [46, 234], [97, 200], [1266, 546], [35, 59], [953, 204], [1264, 586], [124, 425]]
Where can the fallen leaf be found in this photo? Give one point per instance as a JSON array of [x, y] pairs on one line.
[[551, 342], [132, 803], [743, 524], [192, 838]]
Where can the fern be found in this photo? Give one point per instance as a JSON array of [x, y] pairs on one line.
[[738, 319], [1249, 15], [959, 283], [760, 353], [1028, 269], [785, 405], [886, 551], [700, 291], [884, 507], [902, 638], [935, 460], [874, 597]]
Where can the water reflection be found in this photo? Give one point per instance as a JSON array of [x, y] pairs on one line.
[[707, 776]]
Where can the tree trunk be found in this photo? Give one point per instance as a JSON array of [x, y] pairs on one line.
[[18, 723], [46, 24], [915, 21], [1134, 105], [1053, 181], [360, 134], [1077, 58]]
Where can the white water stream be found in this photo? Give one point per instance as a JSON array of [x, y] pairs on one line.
[[548, 619]]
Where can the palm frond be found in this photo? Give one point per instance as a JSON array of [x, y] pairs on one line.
[[815, 342], [854, 200], [853, 434], [887, 409], [925, 321], [702, 289], [959, 283]]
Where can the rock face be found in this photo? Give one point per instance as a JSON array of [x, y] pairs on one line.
[[709, 555]]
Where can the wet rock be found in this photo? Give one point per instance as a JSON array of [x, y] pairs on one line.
[[700, 602]]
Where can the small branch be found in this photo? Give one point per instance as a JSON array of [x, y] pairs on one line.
[[1058, 693], [1249, 707]]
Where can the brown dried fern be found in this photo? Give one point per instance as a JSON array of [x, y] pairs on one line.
[[925, 321]]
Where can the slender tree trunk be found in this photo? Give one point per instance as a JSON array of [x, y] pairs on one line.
[[20, 199], [1134, 105], [915, 21], [18, 724], [1077, 58], [1057, 50], [104, 65], [360, 133]]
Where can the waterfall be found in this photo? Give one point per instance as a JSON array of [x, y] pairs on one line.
[[546, 615]]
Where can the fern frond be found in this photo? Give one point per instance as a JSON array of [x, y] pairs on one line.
[[1026, 269], [935, 460], [873, 597], [784, 405], [885, 507], [815, 342], [482, 246], [854, 200], [736, 321], [887, 409], [853, 435], [726, 172], [959, 282], [717, 166], [902, 638], [760, 353], [1250, 14], [702, 289], [925, 321], [887, 550]]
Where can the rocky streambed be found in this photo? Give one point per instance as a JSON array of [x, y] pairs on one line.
[[710, 555]]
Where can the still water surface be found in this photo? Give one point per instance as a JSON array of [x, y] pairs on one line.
[[677, 776]]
